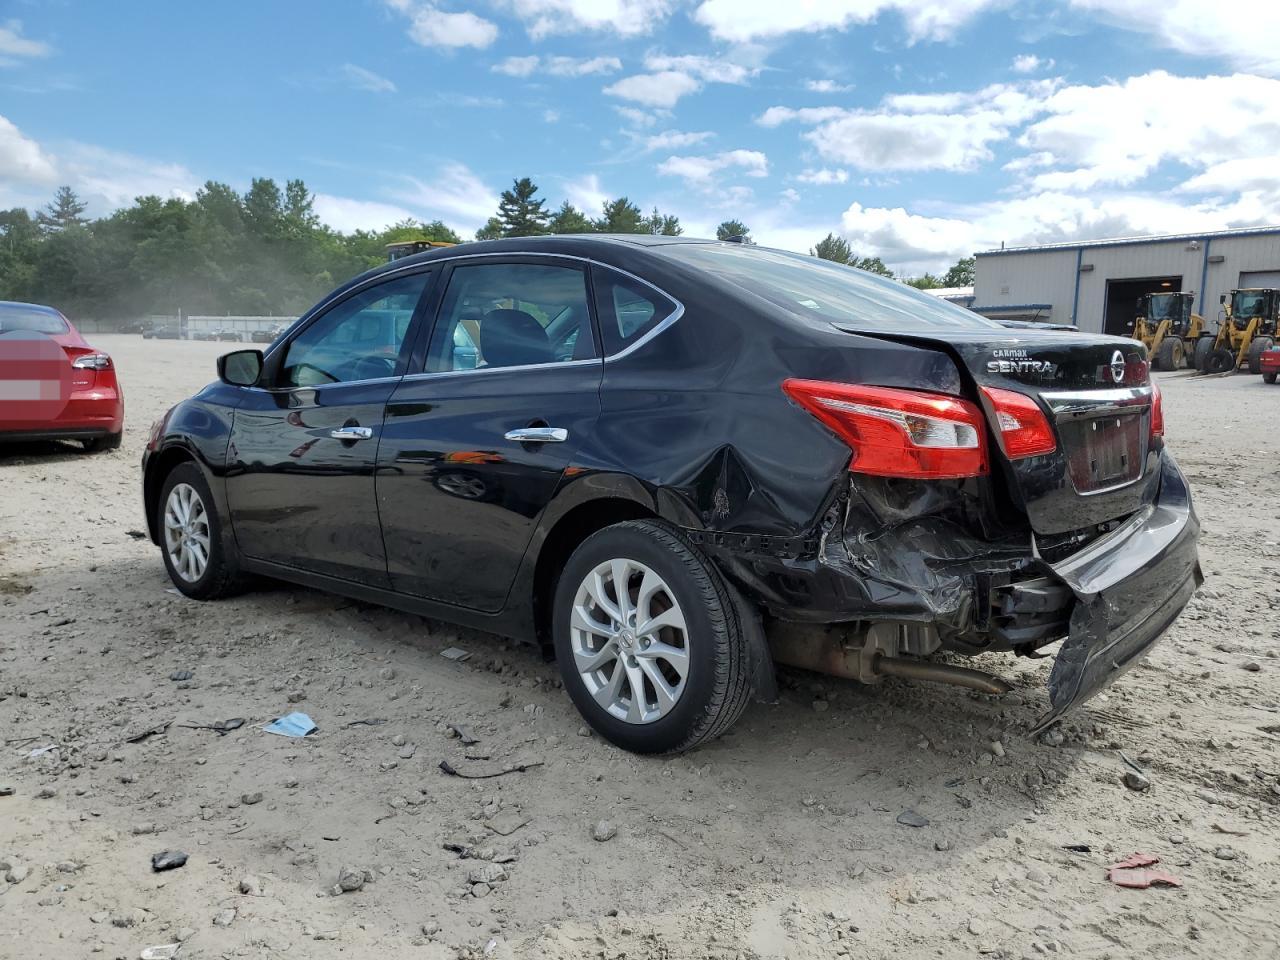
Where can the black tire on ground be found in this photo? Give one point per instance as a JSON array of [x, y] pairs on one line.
[[1169, 356], [1204, 347], [1259, 346], [101, 444], [718, 683], [1189, 354], [1269, 377], [1222, 360], [221, 576]]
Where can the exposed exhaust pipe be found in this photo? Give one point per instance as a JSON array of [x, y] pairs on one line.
[[814, 648]]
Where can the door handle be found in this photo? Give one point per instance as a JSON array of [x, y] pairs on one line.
[[351, 433], [538, 435]]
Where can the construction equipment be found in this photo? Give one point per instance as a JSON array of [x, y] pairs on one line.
[[1168, 329], [407, 248], [1246, 331]]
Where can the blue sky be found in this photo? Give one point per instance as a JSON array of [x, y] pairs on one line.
[[919, 129]]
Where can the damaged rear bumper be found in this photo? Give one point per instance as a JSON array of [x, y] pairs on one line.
[[1130, 586]]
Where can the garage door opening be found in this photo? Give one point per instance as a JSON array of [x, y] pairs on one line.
[[1122, 300]]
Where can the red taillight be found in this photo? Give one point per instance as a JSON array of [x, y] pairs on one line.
[[898, 433], [1157, 411], [92, 361], [1024, 430]]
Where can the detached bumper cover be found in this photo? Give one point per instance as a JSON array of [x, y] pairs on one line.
[[1130, 586]]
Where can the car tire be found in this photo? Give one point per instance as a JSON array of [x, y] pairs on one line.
[[102, 444], [1222, 360], [1169, 356], [1259, 346], [1269, 377], [185, 497], [1204, 347], [704, 637]]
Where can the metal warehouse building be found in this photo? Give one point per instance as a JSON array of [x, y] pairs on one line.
[[1095, 284]]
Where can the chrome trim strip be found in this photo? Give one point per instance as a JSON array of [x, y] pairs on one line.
[[520, 366], [1103, 544], [1098, 403], [537, 435]]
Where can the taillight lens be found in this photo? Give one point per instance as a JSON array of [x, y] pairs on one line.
[[92, 361], [1157, 411], [898, 433], [1024, 430]]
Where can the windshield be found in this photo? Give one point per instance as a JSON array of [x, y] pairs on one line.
[[816, 289], [19, 316], [1246, 304]]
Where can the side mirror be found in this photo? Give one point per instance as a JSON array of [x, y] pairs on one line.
[[241, 368]]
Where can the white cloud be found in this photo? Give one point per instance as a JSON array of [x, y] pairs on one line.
[[1245, 32], [675, 140], [454, 194], [586, 194], [827, 86], [655, 89], [1119, 133], [637, 118], [364, 79], [625, 17], [550, 116], [791, 195], [429, 26], [699, 171], [1029, 63], [347, 214], [14, 44], [742, 20], [776, 116], [707, 69], [824, 176], [22, 161], [557, 66]]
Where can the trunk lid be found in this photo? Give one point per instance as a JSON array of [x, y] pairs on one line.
[[1096, 394]]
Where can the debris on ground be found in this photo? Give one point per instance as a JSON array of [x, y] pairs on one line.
[[220, 727], [452, 771], [909, 818], [168, 860], [1134, 873], [604, 830], [180, 675], [292, 725], [158, 729], [457, 654], [163, 952], [464, 734]]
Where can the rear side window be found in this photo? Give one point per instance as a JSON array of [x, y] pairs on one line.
[[628, 309]]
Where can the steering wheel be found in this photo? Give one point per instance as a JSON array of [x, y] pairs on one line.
[[373, 368]]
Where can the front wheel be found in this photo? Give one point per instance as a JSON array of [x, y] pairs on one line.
[[1269, 377], [649, 641], [198, 561], [1259, 346], [102, 444], [1169, 356], [1204, 347]]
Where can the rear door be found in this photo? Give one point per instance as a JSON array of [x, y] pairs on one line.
[[476, 444], [303, 450]]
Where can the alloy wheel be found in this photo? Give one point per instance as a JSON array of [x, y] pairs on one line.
[[629, 641], [186, 532]]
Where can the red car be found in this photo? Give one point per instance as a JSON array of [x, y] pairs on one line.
[[1270, 362], [53, 384]]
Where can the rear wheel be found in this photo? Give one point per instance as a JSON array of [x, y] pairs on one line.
[[1222, 360], [1169, 356], [198, 561], [649, 641], [1269, 377], [1259, 346], [101, 444], [1189, 353], [1204, 347]]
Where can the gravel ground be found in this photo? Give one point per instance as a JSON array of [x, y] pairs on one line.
[[784, 838]]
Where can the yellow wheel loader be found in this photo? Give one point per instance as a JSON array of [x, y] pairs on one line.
[[1168, 329], [1246, 330]]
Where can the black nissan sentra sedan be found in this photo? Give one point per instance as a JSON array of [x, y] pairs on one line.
[[674, 462]]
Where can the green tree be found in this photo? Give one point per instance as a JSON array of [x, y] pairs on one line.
[[621, 216], [520, 212], [833, 248], [662, 224], [263, 208], [927, 282], [492, 230], [569, 219], [872, 265], [961, 273], [65, 210], [734, 228]]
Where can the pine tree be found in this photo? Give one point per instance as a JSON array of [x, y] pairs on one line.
[[621, 216], [661, 224], [65, 211], [519, 213], [833, 248], [569, 219], [734, 228]]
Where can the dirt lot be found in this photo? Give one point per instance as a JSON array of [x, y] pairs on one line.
[[781, 839]]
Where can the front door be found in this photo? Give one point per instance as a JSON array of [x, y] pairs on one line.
[[303, 449], [474, 447]]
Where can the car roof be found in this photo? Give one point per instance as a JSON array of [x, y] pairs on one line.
[[36, 307]]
